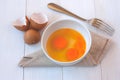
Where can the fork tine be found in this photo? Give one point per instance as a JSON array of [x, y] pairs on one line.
[[105, 29], [108, 28], [106, 25]]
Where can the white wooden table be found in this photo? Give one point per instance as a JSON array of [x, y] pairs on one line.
[[13, 48]]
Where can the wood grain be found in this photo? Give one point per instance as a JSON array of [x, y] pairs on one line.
[[109, 11], [12, 44], [11, 40]]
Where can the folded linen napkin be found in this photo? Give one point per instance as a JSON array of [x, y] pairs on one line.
[[94, 57]]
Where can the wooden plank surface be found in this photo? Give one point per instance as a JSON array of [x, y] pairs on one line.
[[12, 45], [11, 40], [109, 10]]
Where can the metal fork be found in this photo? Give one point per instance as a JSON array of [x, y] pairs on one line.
[[94, 21]]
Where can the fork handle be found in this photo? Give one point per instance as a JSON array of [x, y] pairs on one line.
[[58, 8]]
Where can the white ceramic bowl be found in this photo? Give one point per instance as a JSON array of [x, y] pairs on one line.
[[66, 23]]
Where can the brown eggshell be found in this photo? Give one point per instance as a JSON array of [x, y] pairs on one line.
[[22, 28], [27, 21], [38, 21], [22, 24], [31, 36]]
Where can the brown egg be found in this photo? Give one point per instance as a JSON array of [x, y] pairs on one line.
[[22, 24], [31, 36], [38, 21]]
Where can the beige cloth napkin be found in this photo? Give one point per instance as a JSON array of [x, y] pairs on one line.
[[94, 57]]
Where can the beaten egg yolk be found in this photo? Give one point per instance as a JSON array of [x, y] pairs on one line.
[[59, 42]]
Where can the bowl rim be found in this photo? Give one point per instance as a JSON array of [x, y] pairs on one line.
[[70, 62]]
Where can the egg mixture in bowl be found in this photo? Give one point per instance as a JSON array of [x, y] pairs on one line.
[[66, 41], [66, 45]]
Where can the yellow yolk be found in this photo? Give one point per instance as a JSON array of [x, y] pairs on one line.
[[59, 43]]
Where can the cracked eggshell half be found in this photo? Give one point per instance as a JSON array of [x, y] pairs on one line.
[[38, 21]]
